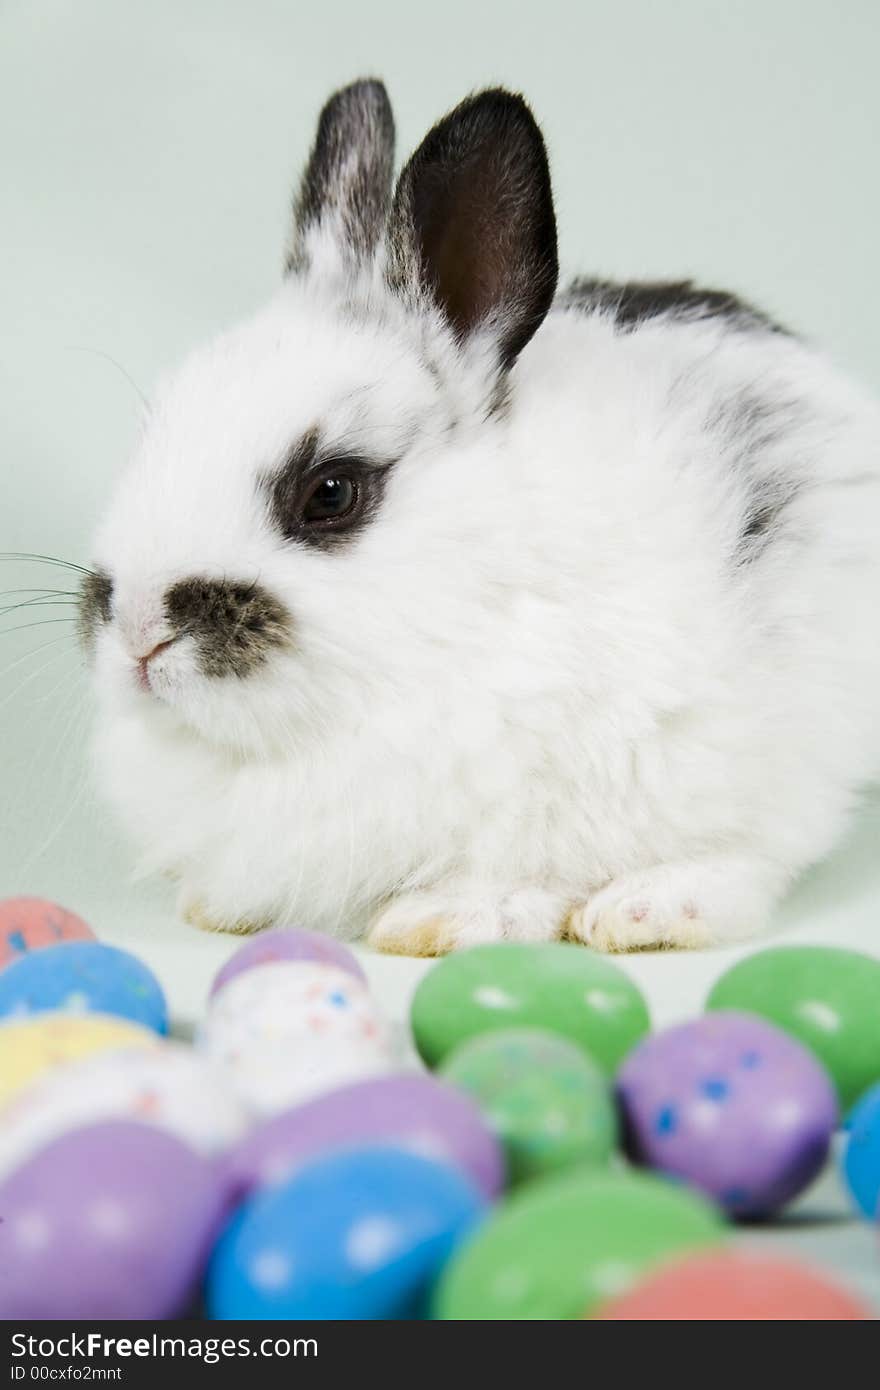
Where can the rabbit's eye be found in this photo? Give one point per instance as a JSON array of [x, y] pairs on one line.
[[331, 500], [325, 501]]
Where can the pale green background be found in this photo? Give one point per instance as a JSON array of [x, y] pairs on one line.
[[147, 151]]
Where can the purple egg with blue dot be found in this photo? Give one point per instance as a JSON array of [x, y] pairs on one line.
[[80, 977], [731, 1105], [360, 1234]]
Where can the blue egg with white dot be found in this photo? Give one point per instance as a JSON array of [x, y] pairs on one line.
[[359, 1234], [82, 977], [861, 1157]]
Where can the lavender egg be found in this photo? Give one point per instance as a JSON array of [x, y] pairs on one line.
[[112, 1221], [731, 1105], [412, 1112]]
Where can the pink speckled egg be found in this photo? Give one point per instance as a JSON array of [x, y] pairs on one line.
[[28, 924]]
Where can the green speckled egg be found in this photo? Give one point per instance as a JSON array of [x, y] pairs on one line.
[[826, 997], [549, 1103], [565, 989], [562, 1245]]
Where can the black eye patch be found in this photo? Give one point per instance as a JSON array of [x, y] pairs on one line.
[[324, 498]]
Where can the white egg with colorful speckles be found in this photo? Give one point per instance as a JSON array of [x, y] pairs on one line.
[[285, 1031], [171, 1086]]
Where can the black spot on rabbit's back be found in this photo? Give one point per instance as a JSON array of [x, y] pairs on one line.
[[633, 302], [236, 625], [754, 434]]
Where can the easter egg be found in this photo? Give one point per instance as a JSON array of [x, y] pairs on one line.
[[563, 988], [861, 1157], [410, 1111], [29, 1049], [549, 1103], [288, 944], [359, 1234], [285, 1031], [29, 924], [83, 977], [111, 1221], [562, 1244], [824, 996], [732, 1105], [169, 1085], [732, 1286]]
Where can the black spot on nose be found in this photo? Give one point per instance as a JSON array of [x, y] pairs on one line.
[[236, 625], [95, 605]]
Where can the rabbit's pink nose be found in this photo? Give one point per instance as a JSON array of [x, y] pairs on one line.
[[143, 663]]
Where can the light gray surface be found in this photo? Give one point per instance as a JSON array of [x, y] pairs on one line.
[[820, 1229], [148, 152]]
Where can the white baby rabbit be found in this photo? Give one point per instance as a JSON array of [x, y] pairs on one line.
[[441, 605]]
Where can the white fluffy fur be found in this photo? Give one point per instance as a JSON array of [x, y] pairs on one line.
[[537, 690]]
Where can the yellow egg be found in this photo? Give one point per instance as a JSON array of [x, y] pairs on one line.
[[31, 1048]]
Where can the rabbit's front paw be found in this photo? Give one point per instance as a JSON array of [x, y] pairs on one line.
[[676, 906], [434, 923], [198, 914]]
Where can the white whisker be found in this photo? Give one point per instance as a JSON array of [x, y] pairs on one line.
[[44, 622], [32, 676], [34, 651], [73, 803]]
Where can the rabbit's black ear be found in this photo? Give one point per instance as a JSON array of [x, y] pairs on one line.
[[346, 187], [472, 223]]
